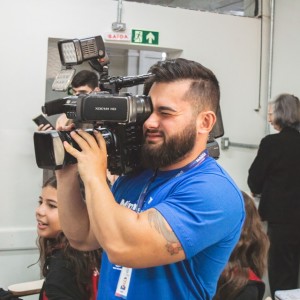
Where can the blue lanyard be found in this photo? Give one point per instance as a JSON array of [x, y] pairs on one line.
[[198, 161]]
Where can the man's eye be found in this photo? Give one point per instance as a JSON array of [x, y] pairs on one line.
[[165, 113]]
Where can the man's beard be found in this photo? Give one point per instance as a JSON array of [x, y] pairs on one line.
[[171, 151]]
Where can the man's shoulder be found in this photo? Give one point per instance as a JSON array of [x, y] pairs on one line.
[[210, 177], [212, 168]]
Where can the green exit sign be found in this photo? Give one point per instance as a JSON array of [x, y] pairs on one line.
[[144, 37]]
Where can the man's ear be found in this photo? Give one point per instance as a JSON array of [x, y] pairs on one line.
[[206, 121]]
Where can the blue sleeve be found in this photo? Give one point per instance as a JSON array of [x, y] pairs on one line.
[[203, 211]]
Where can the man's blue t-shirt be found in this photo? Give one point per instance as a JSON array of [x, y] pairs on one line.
[[205, 209]]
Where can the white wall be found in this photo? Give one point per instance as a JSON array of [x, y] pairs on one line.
[[286, 54], [228, 45]]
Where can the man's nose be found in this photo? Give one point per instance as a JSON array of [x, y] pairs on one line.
[[152, 121]]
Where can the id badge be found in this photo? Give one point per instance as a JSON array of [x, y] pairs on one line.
[[123, 283]]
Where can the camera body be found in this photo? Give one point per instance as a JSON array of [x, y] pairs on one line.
[[119, 118], [104, 107]]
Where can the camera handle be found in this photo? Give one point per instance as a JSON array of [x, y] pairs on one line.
[[115, 84]]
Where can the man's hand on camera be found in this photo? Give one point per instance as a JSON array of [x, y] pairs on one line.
[[92, 159]]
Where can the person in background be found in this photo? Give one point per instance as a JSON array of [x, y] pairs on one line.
[[274, 175], [68, 273], [168, 229], [241, 278], [85, 82]]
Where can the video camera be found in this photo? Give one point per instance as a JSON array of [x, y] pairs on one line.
[[118, 116]]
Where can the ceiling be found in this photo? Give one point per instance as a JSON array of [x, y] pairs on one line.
[[247, 8]]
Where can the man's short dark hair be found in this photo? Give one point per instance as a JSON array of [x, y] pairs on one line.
[[204, 88], [85, 77]]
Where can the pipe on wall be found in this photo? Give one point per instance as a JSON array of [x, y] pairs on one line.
[[271, 49]]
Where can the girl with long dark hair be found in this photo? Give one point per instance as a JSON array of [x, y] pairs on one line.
[[68, 273]]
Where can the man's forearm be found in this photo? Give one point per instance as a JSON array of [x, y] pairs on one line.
[[71, 207], [111, 222]]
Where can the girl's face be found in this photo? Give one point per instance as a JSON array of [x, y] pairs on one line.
[[48, 224]]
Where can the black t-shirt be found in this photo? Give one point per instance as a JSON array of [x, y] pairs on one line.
[[60, 282], [254, 290]]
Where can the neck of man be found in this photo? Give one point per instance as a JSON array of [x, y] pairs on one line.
[[185, 160]]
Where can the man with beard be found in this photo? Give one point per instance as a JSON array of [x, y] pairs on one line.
[[168, 229]]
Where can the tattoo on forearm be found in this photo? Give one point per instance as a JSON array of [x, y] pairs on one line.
[[156, 220]]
